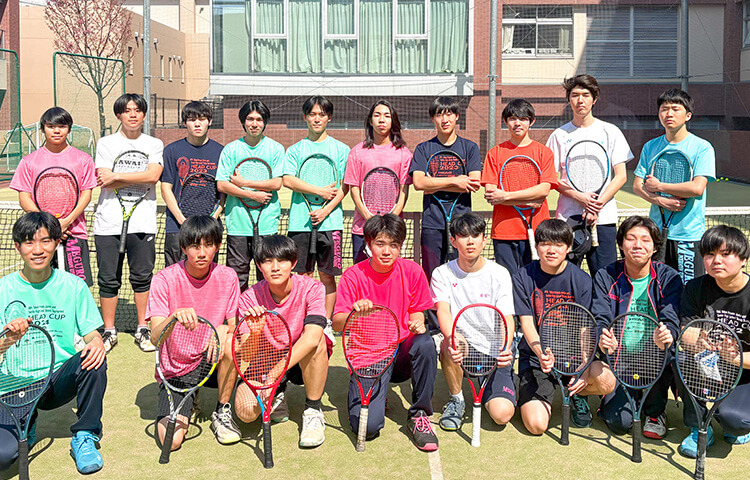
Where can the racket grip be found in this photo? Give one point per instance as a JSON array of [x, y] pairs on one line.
[[637, 441], [61, 256], [594, 236], [166, 446], [123, 237], [267, 450], [565, 429], [532, 244], [476, 425], [23, 459], [661, 254], [314, 241], [700, 458], [364, 413]]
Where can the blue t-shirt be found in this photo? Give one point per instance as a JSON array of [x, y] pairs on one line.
[[181, 158], [433, 215], [689, 224], [570, 285]]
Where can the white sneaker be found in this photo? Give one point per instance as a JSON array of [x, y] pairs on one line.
[[222, 424], [109, 339], [313, 428], [328, 332], [143, 340]]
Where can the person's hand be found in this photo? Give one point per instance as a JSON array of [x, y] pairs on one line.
[[363, 307], [260, 196], [105, 177], [416, 325], [607, 342], [93, 354], [673, 204], [317, 216], [468, 184], [580, 384], [17, 328], [505, 358], [662, 337], [546, 360], [187, 317], [495, 196], [328, 192]]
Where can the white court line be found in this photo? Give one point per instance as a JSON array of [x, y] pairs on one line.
[[436, 468]]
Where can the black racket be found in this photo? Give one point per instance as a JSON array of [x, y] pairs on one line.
[[129, 196], [671, 166], [520, 172], [199, 195], [587, 167], [254, 169], [380, 190], [319, 171], [446, 164]]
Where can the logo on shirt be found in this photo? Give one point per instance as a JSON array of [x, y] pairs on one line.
[[183, 168]]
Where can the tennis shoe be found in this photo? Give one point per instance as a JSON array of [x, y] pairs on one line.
[[279, 408], [313, 428], [143, 340], [109, 339], [689, 446], [656, 427], [328, 332], [581, 412], [453, 415], [84, 452], [222, 424], [421, 431], [741, 440]]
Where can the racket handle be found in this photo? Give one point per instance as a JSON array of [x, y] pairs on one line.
[[594, 236], [364, 413], [661, 254], [61, 257], [267, 451], [123, 236], [565, 429], [23, 459], [314, 240], [636, 441], [166, 446], [476, 424], [532, 244], [256, 237], [700, 458], [448, 243]]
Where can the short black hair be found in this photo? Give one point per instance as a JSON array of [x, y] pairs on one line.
[[200, 228], [324, 104], [56, 116], [26, 227], [122, 103], [581, 81], [639, 221], [519, 108], [554, 230], [468, 225], [389, 224], [254, 106], [196, 109], [279, 247], [444, 104], [724, 237], [678, 97]]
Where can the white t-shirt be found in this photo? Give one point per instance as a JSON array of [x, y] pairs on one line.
[[617, 148], [108, 218]]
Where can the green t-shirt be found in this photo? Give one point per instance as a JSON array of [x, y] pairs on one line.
[[299, 215], [63, 305], [636, 332], [236, 216]]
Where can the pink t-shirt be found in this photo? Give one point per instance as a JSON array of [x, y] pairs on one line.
[[404, 290], [79, 163], [213, 298], [307, 298], [362, 160]]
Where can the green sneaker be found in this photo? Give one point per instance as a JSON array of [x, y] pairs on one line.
[[581, 412]]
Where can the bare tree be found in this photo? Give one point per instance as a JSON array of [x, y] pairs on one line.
[[94, 28]]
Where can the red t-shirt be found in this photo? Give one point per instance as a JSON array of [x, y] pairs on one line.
[[506, 223]]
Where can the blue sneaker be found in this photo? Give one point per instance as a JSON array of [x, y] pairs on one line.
[[84, 452], [689, 446], [741, 440]]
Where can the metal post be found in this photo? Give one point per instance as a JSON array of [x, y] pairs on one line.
[[685, 74], [492, 75], [147, 63]]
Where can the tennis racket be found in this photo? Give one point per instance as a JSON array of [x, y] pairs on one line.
[[446, 164], [569, 331], [587, 167], [129, 196], [480, 333], [185, 360], [380, 190], [671, 166], [709, 362], [199, 195], [319, 171], [370, 342], [26, 363], [261, 352], [257, 170], [56, 192], [637, 363], [520, 172]]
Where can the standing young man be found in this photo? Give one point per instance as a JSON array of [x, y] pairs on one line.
[[317, 112], [195, 153], [582, 93], [56, 123], [62, 304], [509, 233], [687, 199], [444, 113], [254, 116], [130, 109]]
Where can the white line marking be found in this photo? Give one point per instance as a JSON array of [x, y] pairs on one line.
[[436, 468]]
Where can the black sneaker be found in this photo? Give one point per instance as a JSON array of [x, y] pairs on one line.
[[581, 413], [421, 431]]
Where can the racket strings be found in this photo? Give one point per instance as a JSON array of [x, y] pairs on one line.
[[481, 335], [24, 367], [318, 171], [253, 169], [380, 191], [132, 162], [587, 167], [260, 349], [672, 167], [190, 354], [638, 362], [370, 341], [708, 366], [569, 331], [198, 196], [519, 174], [56, 193]]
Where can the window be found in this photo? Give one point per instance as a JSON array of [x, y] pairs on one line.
[[537, 31], [746, 24], [171, 63], [341, 36], [632, 42], [161, 67], [182, 69]]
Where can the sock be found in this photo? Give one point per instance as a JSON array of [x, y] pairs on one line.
[[112, 330], [313, 404], [220, 406], [459, 397], [141, 328]]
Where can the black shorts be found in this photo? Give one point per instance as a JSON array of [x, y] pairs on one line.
[[685, 257], [328, 258], [502, 384], [172, 251], [141, 250], [294, 374], [534, 384], [162, 407]]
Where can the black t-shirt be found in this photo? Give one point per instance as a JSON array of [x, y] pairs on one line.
[[571, 285]]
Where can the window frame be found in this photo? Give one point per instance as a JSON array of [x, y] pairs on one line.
[[537, 22]]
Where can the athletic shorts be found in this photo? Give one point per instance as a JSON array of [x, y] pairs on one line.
[[77, 259], [240, 250], [172, 251], [329, 256], [141, 250], [162, 408], [502, 384], [534, 384], [685, 257]]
